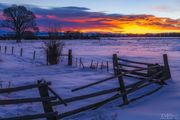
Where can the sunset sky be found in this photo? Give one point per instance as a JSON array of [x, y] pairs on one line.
[[115, 16]]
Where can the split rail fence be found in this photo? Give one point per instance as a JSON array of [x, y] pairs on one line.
[[146, 73]]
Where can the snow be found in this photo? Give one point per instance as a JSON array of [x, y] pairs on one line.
[[16, 71]]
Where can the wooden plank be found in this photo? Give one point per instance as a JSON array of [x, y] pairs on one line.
[[136, 73], [91, 95], [95, 83], [136, 77], [26, 100], [109, 100], [81, 109], [30, 117], [16, 89], [142, 63], [131, 66], [53, 92]]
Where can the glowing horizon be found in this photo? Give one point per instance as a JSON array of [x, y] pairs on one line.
[[82, 19], [135, 24]]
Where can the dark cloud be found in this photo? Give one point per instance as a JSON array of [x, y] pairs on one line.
[[83, 19]]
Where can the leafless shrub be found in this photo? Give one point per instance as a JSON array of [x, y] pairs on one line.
[[53, 47]]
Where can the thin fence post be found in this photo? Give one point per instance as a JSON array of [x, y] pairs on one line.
[[0, 48], [120, 79], [5, 49], [43, 91], [21, 52], [70, 57], [166, 66], [107, 66], [114, 64], [81, 63], [97, 64], [91, 64], [34, 55], [12, 50], [76, 62]]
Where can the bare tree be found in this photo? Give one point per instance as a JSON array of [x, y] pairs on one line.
[[19, 20]]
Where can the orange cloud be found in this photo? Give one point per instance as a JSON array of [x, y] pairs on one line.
[[131, 24], [74, 18], [143, 24]]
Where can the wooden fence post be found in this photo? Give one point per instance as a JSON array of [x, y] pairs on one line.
[[107, 66], [43, 91], [21, 52], [70, 57], [166, 66], [12, 50], [120, 79], [81, 63], [5, 49], [76, 62], [91, 64], [34, 55], [97, 64], [0, 48], [114, 64]]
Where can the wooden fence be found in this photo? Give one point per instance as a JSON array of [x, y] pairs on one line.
[[21, 53], [45, 99], [92, 64], [146, 73], [77, 62]]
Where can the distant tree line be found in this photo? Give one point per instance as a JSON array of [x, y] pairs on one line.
[[70, 35], [142, 35], [73, 35]]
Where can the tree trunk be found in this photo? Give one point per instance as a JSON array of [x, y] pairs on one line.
[[18, 37]]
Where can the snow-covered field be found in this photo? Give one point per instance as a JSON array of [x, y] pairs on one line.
[[16, 70]]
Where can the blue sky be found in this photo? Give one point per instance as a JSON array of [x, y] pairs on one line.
[[160, 8]]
